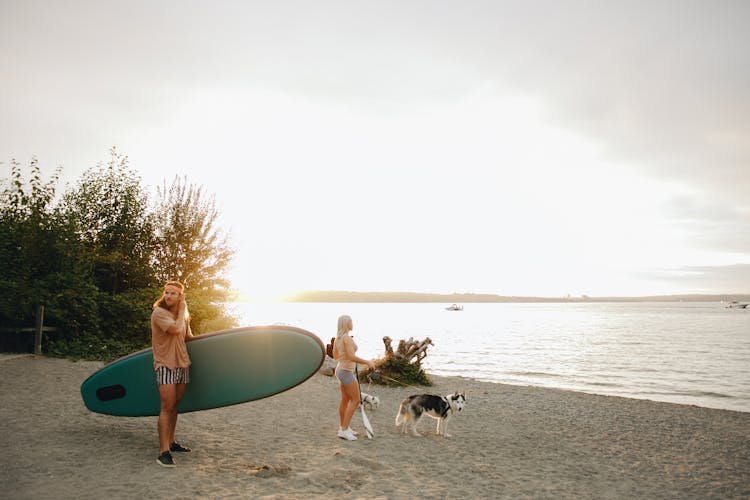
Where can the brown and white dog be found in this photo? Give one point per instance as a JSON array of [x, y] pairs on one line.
[[441, 408]]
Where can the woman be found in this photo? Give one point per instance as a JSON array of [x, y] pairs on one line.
[[344, 351]]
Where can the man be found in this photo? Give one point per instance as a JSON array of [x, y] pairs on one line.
[[170, 326]]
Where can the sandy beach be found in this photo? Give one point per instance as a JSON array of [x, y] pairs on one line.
[[509, 442]]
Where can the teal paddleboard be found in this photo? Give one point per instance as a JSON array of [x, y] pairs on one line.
[[228, 367]]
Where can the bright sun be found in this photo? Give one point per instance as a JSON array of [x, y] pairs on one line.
[[479, 195]]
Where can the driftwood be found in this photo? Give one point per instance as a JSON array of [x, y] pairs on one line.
[[413, 351], [388, 349]]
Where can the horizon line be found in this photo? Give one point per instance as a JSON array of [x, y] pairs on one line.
[[397, 296]]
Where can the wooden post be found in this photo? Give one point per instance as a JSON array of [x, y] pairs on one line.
[[38, 333]]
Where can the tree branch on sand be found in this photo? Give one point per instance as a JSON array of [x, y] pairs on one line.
[[411, 350], [404, 365]]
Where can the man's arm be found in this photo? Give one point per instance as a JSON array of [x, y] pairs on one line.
[[179, 326]]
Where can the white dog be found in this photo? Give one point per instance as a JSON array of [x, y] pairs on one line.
[[441, 408], [370, 401]]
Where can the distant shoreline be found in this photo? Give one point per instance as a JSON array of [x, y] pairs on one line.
[[344, 296]]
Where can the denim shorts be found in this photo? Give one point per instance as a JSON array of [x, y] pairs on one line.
[[346, 377]]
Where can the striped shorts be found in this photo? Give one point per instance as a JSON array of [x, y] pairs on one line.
[[166, 375]]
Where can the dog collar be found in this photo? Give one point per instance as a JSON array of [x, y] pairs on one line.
[[447, 401]]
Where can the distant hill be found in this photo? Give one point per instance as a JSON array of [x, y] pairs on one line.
[[344, 296]]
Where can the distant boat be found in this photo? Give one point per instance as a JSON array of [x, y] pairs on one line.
[[454, 307], [736, 305]]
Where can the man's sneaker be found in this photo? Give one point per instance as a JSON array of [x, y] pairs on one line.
[[178, 447], [165, 460], [347, 434], [350, 429]]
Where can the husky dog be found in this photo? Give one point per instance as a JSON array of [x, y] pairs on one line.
[[370, 401], [438, 407]]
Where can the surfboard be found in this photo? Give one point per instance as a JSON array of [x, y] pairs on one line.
[[227, 367]]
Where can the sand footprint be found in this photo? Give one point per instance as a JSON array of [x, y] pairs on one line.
[[266, 471], [366, 463]]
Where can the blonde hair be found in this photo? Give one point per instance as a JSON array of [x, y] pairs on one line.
[[344, 326]]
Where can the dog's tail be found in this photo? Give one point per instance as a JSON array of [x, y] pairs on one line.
[[400, 416]]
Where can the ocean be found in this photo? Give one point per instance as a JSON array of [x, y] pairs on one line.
[[695, 353]]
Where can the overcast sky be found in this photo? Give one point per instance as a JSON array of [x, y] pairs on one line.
[[509, 147]]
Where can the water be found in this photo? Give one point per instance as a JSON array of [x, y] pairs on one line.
[[681, 352]]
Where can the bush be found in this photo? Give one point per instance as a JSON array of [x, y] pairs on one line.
[[91, 347], [402, 372], [97, 259]]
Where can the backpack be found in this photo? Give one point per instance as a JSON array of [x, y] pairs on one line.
[[329, 347]]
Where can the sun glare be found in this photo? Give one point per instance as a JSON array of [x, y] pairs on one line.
[[476, 195]]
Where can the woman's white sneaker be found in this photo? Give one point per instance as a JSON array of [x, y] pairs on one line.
[[347, 434]]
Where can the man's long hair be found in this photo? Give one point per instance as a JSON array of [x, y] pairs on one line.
[[162, 302]]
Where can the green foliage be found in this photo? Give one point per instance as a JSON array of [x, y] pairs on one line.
[[190, 248], [33, 244], [127, 315], [97, 261], [109, 212], [398, 372], [91, 347], [208, 316], [122, 325]]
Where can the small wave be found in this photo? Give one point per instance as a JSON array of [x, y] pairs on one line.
[[708, 394], [604, 384], [535, 374], [646, 369], [694, 394]]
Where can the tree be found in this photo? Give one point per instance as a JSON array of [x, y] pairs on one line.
[[190, 248], [109, 211], [43, 263], [28, 249], [96, 260]]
